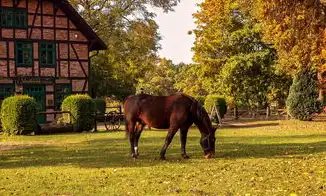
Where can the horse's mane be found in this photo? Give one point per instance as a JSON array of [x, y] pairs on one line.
[[197, 110]]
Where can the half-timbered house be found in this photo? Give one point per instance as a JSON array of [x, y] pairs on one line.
[[44, 51]]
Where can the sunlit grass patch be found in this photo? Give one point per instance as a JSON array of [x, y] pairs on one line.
[[256, 158]]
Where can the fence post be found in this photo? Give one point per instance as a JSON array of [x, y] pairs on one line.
[[236, 113], [268, 112], [95, 123]]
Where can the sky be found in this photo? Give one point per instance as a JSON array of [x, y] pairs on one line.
[[173, 27]]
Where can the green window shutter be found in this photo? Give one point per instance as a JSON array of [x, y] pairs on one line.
[[21, 18], [24, 53], [47, 54], [60, 93], [7, 17]]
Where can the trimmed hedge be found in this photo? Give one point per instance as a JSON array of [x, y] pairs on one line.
[[302, 101], [82, 108], [18, 115], [200, 99], [220, 103], [100, 105]]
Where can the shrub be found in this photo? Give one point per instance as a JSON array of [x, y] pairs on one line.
[[82, 108], [18, 115], [302, 100], [200, 99], [220, 103], [100, 105]]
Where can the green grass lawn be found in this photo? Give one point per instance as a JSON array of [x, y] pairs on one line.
[[255, 158]]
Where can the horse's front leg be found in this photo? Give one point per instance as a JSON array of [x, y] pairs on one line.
[[183, 139], [171, 132]]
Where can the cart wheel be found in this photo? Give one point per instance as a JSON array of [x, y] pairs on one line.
[[112, 121], [107, 120], [116, 122]]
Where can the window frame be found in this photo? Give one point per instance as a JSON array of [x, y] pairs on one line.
[[56, 93], [16, 14], [29, 64], [7, 94], [22, 13], [5, 10], [46, 50]]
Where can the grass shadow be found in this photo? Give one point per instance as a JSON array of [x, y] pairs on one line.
[[114, 152], [232, 126]]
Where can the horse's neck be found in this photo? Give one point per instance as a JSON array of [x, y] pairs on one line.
[[203, 127]]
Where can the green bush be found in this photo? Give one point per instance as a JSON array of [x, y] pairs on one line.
[[302, 100], [18, 115], [220, 103], [82, 108], [200, 99], [100, 105]]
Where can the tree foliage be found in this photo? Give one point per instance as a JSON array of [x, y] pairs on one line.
[[296, 30], [160, 80], [190, 81], [231, 53], [129, 30]]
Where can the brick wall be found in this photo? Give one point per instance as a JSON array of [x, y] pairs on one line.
[[72, 57]]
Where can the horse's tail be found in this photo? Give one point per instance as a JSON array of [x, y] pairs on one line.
[[125, 119]]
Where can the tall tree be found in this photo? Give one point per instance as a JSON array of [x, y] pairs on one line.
[[297, 29], [129, 30], [189, 80], [231, 53], [160, 80]]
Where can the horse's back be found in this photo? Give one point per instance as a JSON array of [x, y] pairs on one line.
[[156, 110]]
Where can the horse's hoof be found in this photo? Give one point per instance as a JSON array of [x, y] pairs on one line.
[[162, 158], [208, 156]]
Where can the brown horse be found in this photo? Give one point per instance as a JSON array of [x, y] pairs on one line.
[[173, 112]]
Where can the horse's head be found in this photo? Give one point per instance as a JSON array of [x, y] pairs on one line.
[[208, 143]]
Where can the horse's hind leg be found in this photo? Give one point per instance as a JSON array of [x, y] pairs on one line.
[[172, 131], [131, 132], [139, 129], [183, 139]]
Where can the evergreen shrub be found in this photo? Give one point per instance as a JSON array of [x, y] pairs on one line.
[[302, 101], [82, 109], [18, 115]]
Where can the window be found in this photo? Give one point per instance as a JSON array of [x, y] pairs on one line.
[[60, 93], [21, 18], [6, 90], [24, 53], [7, 17], [13, 17], [47, 54]]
